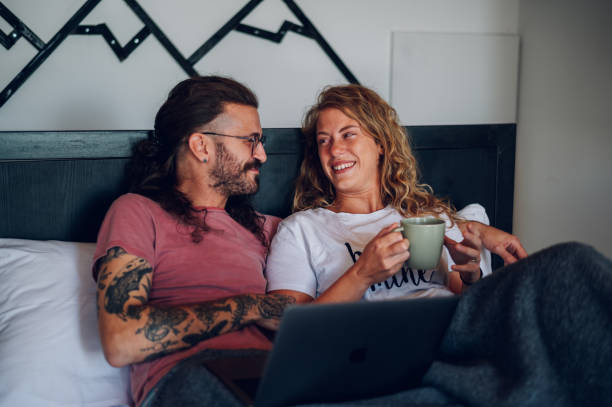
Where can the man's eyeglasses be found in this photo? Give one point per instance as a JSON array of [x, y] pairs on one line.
[[254, 140]]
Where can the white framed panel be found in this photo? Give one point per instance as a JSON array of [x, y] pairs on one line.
[[451, 78]]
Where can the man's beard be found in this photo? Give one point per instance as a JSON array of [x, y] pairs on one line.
[[228, 176]]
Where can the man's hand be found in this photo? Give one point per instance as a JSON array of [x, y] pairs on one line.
[[505, 245], [466, 255]]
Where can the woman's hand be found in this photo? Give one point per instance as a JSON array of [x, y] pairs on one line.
[[383, 256], [505, 245], [466, 255]]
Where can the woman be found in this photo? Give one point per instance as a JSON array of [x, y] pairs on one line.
[[520, 337], [358, 179]]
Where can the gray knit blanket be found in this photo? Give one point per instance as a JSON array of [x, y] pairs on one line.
[[536, 333]]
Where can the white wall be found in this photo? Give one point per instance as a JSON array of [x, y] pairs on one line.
[[83, 86], [563, 187]]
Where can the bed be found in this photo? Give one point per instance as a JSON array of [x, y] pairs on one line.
[[56, 188]]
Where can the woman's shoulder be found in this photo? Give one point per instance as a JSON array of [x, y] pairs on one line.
[[302, 215], [307, 217]]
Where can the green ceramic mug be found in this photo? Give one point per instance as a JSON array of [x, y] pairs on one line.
[[426, 236]]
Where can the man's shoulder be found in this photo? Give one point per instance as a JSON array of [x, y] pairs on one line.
[[271, 218], [131, 204], [134, 199], [271, 225]]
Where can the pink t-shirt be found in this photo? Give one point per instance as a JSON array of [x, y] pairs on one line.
[[228, 261]]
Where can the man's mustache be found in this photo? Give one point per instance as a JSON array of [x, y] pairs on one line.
[[253, 165]]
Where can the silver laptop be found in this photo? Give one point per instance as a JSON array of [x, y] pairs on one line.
[[341, 352]]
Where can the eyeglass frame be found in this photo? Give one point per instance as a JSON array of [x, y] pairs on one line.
[[252, 139]]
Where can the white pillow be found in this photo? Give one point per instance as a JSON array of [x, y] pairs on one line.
[[50, 352]]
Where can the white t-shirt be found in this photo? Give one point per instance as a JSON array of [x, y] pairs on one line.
[[313, 248]]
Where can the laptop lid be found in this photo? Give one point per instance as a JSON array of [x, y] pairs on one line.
[[350, 351]]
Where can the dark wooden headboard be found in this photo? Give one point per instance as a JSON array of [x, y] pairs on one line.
[[58, 185]]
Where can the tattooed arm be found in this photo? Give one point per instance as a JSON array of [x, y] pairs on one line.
[[133, 331]]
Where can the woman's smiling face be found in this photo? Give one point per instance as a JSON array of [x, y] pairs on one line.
[[349, 155]]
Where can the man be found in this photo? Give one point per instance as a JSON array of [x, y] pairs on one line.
[[179, 263]]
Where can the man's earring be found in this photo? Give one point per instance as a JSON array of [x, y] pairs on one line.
[[204, 160]]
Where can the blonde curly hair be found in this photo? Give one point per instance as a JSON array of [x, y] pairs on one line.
[[399, 187]]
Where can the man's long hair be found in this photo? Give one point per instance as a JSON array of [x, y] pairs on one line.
[[152, 171], [400, 186]]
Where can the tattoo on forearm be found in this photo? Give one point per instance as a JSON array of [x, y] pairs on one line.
[[272, 306], [207, 313], [195, 338], [136, 272], [161, 322], [174, 329], [186, 329], [243, 305]]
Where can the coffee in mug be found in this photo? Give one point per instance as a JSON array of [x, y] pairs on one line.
[[426, 236]]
